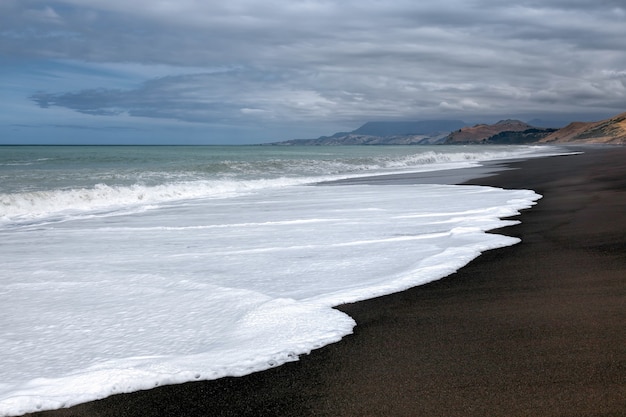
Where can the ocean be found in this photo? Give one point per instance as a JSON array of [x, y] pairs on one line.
[[125, 268]]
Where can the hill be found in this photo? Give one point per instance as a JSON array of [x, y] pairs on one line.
[[456, 132], [609, 131], [505, 132], [426, 132], [425, 127]]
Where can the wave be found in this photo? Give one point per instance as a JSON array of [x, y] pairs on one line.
[[102, 198], [23, 162], [356, 163], [229, 178]]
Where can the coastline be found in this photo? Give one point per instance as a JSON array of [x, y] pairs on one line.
[[532, 329]]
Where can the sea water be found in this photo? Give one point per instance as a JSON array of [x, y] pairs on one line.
[[126, 268]]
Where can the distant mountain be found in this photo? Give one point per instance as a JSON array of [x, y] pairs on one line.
[[425, 127], [504, 132], [455, 132], [610, 131], [426, 132], [354, 139]]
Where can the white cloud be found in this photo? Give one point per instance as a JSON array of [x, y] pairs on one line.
[[46, 15], [465, 104]]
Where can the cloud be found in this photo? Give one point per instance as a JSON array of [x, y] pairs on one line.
[[461, 105], [243, 62], [227, 96], [44, 15]]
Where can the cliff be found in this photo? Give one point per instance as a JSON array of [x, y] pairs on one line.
[[609, 131]]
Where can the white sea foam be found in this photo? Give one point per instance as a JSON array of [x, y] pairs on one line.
[[210, 287], [25, 206]]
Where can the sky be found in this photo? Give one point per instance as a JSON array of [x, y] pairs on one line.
[[252, 71]]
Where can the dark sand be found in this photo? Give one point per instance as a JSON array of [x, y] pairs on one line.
[[536, 329]]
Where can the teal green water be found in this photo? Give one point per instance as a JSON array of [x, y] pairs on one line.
[[35, 168]]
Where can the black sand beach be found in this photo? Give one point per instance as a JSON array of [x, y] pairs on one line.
[[536, 329]]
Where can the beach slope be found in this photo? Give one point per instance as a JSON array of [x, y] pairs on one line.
[[536, 329]]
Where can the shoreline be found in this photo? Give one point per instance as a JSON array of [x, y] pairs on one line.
[[532, 329]]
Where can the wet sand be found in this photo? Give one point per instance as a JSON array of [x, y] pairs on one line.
[[536, 329]]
